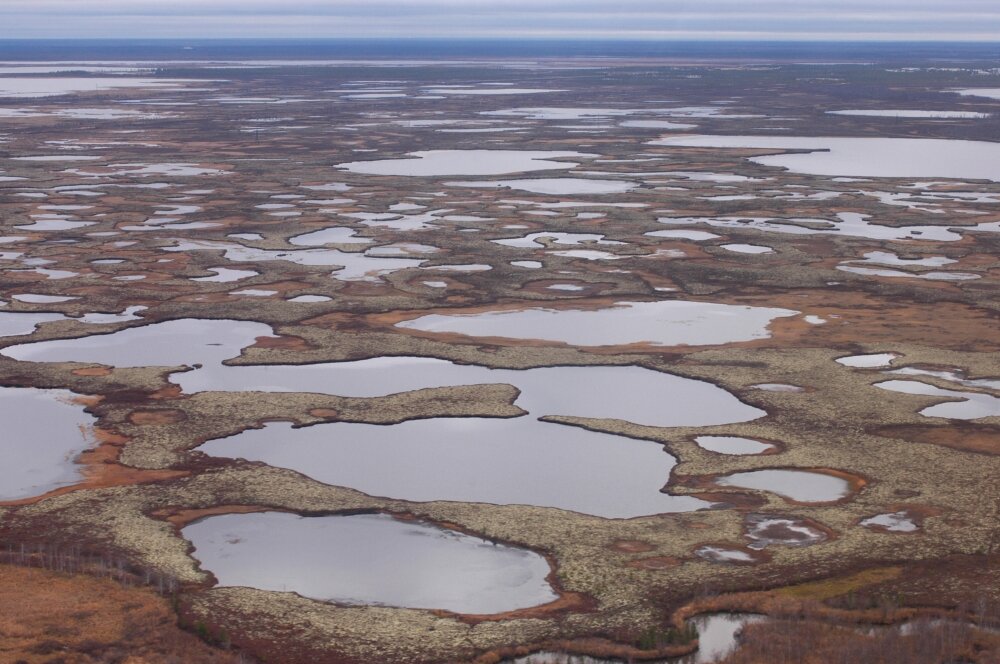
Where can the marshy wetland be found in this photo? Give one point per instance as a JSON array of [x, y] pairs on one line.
[[527, 361]]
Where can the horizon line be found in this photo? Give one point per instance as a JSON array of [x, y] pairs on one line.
[[637, 38]]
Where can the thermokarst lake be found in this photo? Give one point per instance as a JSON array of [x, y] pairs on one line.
[[391, 354], [399, 564]]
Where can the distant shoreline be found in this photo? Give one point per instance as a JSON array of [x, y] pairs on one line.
[[841, 52]]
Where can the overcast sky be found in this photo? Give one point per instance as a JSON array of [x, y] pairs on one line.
[[594, 19]]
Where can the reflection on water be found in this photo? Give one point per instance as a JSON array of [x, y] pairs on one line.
[[370, 559]]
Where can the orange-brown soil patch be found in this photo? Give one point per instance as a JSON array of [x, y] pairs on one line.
[[287, 342], [87, 400], [326, 413], [27, 276], [47, 617], [156, 417], [853, 316], [92, 371], [568, 602], [982, 439], [631, 546], [168, 392], [458, 299], [111, 200]]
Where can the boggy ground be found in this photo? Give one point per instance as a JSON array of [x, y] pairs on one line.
[[53, 617], [617, 578]]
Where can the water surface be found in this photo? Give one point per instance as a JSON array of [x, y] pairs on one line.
[[865, 157], [468, 162], [555, 186], [370, 559], [664, 323], [717, 638], [869, 361], [43, 432], [890, 113], [186, 341], [518, 461], [630, 393], [971, 406], [732, 445], [799, 485], [13, 324]]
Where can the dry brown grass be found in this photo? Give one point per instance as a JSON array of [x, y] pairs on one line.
[[811, 642], [837, 586], [51, 617]]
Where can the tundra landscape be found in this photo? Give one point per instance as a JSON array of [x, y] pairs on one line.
[[500, 359]]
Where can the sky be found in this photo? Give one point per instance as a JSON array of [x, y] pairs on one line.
[[883, 20]]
